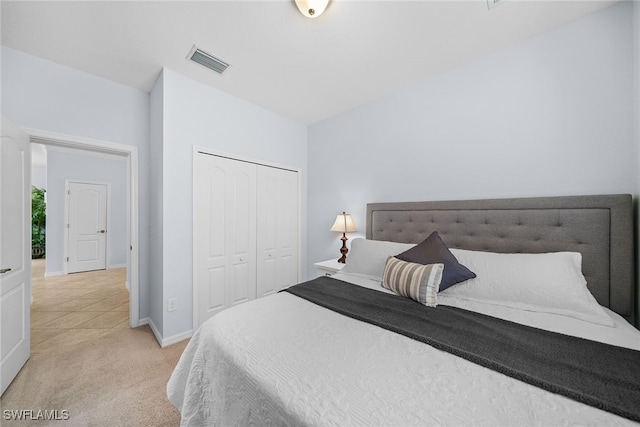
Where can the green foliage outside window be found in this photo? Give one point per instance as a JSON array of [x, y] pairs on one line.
[[38, 222]]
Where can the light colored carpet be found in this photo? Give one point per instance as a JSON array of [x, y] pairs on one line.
[[86, 360], [117, 380]]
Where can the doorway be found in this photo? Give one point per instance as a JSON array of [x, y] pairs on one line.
[[130, 156], [92, 302]]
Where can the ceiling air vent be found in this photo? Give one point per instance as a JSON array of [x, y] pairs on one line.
[[207, 60], [493, 3]]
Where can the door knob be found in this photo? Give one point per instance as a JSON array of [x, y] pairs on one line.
[[102, 231], [5, 270]]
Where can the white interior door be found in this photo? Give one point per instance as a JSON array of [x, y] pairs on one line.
[[277, 238], [224, 233], [15, 251], [87, 227]]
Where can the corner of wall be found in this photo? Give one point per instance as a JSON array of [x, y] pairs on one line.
[[156, 204]]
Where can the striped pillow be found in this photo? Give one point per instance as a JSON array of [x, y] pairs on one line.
[[416, 281]]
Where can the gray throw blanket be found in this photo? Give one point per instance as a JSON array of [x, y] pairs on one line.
[[597, 374]]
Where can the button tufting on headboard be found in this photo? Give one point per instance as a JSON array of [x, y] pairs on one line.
[[599, 227]]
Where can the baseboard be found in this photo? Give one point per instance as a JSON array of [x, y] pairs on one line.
[[164, 342], [116, 266], [148, 321], [62, 273], [54, 273], [176, 338]]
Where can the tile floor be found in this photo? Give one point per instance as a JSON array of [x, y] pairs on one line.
[[77, 307]]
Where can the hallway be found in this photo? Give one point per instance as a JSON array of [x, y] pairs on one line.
[[76, 308]]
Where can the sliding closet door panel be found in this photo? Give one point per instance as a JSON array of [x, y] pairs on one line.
[[214, 295], [210, 207], [277, 238], [217, 218], [242, 232], [224, 221], [267, 241], [288, 230]]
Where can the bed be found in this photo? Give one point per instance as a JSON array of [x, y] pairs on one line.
[[304, 356]]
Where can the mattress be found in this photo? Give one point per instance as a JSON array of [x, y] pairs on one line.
[[281, 360]]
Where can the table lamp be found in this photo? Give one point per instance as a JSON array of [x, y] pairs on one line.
[[344, 224]]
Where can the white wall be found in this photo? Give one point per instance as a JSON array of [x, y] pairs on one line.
[[195, 114], [79, 167], [549, 116], [39, 166], [39, 177], [43, 95], [178, 114]]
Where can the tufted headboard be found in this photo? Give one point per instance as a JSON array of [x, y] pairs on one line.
[[600, 227]]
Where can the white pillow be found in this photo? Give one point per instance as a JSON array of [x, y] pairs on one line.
[[547, 282], [368, 257]]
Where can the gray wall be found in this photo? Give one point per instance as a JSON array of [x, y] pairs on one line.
[[78, 167], [552, 115]]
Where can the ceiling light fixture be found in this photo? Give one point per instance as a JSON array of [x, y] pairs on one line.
[[312, 8]]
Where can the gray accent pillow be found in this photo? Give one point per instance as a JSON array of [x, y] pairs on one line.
[[432, 250]]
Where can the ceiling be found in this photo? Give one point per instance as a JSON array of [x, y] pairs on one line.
[[304, 69]]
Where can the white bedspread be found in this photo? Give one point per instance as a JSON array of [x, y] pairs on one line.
[[282, 360]]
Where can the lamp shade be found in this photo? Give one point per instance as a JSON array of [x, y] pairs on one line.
[[344, 224]]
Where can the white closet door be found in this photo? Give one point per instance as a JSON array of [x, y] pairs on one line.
[[277, 238], [225, 227]]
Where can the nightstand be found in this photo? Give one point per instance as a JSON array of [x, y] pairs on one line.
[[328, 268]]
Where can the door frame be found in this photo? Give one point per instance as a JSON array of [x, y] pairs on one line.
[[213, 152], [67, 195], [130, 153]]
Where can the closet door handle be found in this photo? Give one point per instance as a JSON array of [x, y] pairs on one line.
[[5, 270], [102, 231]]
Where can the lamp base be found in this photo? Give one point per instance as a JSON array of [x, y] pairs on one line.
[[343, 249]]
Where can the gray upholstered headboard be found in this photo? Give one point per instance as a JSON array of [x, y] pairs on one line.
[[600, 227]]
